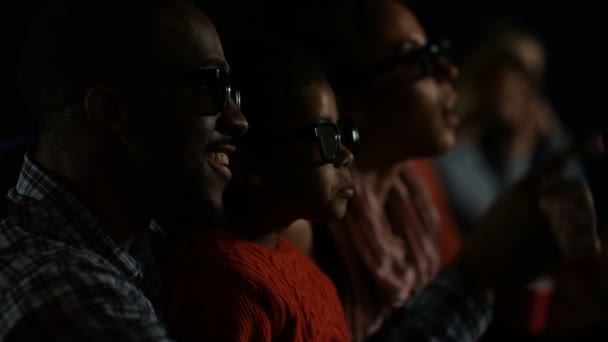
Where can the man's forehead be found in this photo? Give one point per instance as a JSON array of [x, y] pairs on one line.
[[187, 38]]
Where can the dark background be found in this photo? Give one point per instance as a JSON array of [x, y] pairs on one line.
[[575, 35]]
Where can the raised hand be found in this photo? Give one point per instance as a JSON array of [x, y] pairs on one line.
[[533, 225]]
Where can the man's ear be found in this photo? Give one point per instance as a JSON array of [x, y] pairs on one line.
[[105, 111]]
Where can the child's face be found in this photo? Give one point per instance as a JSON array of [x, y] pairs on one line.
[[302, 183]]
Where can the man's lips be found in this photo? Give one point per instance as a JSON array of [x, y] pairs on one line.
[[220, 158], [218, 154], [221, 145]]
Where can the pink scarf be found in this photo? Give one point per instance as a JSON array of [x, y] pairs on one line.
[[387, 251]]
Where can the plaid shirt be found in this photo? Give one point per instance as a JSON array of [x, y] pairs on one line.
[[445, 310], [63, 278]]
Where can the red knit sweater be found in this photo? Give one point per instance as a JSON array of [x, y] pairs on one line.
[[224, 289]]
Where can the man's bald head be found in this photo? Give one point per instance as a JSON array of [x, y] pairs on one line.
[[75, 44]]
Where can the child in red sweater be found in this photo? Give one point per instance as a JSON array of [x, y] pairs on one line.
[[246, 282]]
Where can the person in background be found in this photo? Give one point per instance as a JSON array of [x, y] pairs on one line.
[[508, 127], [507, 124]]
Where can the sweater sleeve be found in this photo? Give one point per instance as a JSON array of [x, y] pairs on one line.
[[239, 316], [220, 309]]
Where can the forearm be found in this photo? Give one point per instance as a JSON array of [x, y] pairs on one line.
[[447, 309]]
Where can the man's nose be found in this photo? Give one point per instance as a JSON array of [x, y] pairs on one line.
[[232, 121]]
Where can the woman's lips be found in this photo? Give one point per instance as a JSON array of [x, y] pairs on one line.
[[451, 118], [346, 192]]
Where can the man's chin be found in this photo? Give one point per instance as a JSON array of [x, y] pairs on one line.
[[205, 211], [182, 212], [213, 214]]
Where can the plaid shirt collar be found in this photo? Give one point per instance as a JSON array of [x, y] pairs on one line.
[[77, 227]]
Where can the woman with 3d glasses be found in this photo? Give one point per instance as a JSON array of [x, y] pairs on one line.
[[385, 249], [246, 282]]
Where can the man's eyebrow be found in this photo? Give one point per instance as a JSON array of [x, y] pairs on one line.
[[214, 63], [324, 118]]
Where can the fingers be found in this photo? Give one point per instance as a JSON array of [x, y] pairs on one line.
[[568, 205], [551, 170]]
